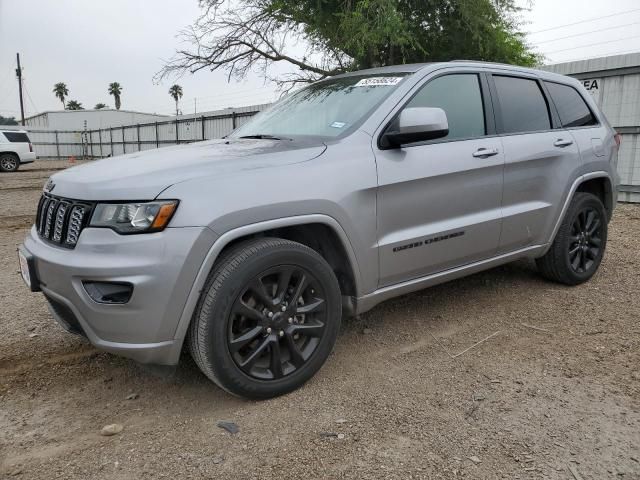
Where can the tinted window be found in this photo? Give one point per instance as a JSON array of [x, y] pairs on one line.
[[16, 137], [459, 96], [572, 108], [522, 105]]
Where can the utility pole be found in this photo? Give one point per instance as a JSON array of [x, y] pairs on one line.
[[19, 74]]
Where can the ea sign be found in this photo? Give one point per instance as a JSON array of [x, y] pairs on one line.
[[592, 86]]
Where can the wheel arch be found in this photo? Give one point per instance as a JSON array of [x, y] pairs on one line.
[[598, 183], [305, 229]]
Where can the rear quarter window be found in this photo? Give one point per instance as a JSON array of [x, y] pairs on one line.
[[16, 137], [572, 109]]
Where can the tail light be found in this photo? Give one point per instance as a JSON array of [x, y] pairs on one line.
[[618, 138], [30, 147]]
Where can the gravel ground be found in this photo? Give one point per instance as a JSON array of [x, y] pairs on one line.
[[554, 393]]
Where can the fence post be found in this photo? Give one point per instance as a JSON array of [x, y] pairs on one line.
[[124, 148], [202, 124], [233, 119], [177, 137], [57, 146], [157, 142], [111, 140], [100, 139], [138, 130], [91, 143]]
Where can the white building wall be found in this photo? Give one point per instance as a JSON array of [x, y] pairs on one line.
[[105, 118]]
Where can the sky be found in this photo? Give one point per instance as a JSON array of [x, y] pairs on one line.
[[89, 44]]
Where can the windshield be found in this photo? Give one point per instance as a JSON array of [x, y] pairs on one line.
[[325, 109]]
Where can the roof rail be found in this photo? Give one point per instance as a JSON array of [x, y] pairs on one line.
[[481, 61]]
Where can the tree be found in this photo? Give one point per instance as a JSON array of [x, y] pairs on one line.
[[176, 92], [61, 91], [115, 89], [8, 120], [74, 105], [100, 106], [236, 36]]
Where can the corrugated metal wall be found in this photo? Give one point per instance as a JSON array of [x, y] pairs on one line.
[[614, 83], [133, 138]]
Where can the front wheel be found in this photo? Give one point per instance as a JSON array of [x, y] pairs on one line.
[[267, 319], [578, 248]]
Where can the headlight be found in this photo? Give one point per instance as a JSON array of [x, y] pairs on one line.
[[137, 217]]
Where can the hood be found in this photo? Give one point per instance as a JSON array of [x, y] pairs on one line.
[[143, 175]]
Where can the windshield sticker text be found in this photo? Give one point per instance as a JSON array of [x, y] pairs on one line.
[[378, 82]]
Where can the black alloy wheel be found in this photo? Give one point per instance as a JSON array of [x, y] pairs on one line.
[[586, 240], [277, 322], [578, 248], [267, 319]]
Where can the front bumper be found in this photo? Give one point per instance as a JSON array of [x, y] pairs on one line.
[[161, 267]]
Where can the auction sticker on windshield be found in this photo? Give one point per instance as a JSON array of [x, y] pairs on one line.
[[378, 82]]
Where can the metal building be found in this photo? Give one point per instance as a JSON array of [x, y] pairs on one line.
[[75, 119], [614, 82]]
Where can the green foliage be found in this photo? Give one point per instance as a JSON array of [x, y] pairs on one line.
[[341, 35], [386, 32], [8, 120], [100, 106], [74, 105]]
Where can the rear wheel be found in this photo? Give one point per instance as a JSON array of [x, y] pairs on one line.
[[9, 162], [578, 248], [268, 318]]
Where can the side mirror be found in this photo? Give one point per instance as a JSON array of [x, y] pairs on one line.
[[417, 124]]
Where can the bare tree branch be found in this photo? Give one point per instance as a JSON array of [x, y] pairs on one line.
[[238, 40]]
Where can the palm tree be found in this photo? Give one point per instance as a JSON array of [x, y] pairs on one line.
[[61, 91], [100, 106], [115, 89], [74, 105], [176, 92]]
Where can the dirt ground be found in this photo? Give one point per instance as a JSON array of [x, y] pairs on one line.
[[554, 393]]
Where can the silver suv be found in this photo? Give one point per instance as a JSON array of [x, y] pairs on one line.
[[356, 189]]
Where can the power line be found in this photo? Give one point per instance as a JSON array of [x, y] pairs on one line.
[[577, 59], [588, 33], [24, 84], [594, 44], [585, 21]]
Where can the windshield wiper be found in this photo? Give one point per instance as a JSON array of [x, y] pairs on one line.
[[264, 136]]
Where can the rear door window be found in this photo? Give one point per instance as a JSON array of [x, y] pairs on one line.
[[522, 105], [572, 108], [16, 137]]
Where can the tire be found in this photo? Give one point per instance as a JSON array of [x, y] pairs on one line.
[[579, 246], [267, 319], [9, 162]]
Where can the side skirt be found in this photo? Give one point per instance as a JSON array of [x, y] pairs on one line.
[[367, 302]]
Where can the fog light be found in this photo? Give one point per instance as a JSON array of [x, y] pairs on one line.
[[109, 292]]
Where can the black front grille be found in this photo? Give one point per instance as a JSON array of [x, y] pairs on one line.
[[60, 220]]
